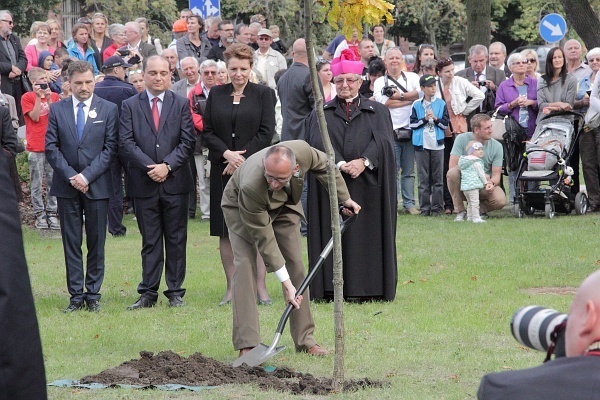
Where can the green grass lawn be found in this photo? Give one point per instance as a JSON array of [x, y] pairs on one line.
[[458, 286]]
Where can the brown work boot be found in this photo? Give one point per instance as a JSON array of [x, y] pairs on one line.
[[244, 351]]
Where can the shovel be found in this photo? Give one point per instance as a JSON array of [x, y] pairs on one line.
[[262, 352]]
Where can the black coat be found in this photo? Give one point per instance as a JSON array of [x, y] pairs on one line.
[[565, 378], [254, 128], [369, 245], [23, 376]]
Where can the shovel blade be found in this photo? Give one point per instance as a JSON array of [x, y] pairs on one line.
[[257, 355]]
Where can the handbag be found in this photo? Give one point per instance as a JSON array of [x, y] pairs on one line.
[[25, 83], [498, 125], [402, 135]]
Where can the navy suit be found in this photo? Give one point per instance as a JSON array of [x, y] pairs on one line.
[[160, 208], [115, 90], [92, 158]]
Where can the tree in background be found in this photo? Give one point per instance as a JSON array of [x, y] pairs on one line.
[[584, 19], [26, 11], [479, 27], [438, 22]]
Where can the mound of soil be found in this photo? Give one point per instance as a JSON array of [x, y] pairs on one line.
[[197, 370]]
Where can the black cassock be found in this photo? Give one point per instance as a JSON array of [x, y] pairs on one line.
[[360, 129], [22, 373]]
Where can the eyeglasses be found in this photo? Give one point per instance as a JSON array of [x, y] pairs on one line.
[[8, 22], [206, 73], [519, 63], [341, 81], [531, 60], [271, 179], [134, 71]]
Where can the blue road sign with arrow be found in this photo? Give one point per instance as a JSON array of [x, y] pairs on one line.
[[553, 28]]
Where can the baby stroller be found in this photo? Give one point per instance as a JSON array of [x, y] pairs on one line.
[[545, 177]]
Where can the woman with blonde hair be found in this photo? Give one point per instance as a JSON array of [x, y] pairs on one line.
[[533, 63], [99, 36], [41, 30], [56, 34]]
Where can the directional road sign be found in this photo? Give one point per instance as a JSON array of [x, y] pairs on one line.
[[553, 28], [206, 8]]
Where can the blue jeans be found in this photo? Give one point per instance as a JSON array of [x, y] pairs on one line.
[[405, 162]]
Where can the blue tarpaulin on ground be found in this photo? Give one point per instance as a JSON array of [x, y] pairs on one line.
[[75, 384]]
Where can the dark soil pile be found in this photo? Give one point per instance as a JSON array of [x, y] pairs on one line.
[[197, 370]]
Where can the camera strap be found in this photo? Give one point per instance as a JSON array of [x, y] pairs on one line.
[[398, 85]]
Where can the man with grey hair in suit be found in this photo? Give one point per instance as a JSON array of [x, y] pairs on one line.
[[191, 70], [483, 76]]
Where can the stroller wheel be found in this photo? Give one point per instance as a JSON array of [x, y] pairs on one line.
[[581, 203], [516, 210], [549, 209]]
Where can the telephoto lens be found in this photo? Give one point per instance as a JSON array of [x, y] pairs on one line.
[[534, 327]]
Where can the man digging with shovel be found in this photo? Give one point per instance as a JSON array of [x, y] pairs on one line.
[[262, 211]]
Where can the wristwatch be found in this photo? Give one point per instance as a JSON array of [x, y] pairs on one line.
[[366, 162], [401, 96], [168, 166]]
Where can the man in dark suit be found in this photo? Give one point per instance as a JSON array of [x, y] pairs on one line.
[[483, 76], [567, 378], [114, 89], [262, 211], [81, 143], [21, 358], [12, 60], [296, 95], [157, 140]]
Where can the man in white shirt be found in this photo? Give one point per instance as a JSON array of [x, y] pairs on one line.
[[402, 88]]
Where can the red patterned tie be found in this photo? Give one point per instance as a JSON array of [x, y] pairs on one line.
[[155, 115]]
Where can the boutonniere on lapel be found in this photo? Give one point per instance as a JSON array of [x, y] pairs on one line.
[[92, 114]]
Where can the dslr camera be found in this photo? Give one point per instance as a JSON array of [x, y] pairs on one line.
[[540, 328], [482, 83], [43, 86], [388, 91]]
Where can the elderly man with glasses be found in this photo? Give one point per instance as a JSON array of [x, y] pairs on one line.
[[361, 135], [261, 207], [12, 60], [268, 61]]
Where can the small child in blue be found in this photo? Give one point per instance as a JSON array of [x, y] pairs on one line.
[[472, 179]]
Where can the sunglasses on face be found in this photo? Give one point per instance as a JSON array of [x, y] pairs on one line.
[[531, 60]]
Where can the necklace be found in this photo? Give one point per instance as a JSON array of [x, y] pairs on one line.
[[238, 94]]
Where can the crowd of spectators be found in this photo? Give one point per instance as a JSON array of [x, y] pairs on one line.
[[384, 119]]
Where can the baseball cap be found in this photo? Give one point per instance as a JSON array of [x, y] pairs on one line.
[[265, 32], [180, 26], [427, 80], [113, 62]]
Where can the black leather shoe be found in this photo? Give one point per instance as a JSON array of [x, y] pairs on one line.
[[74, 306], [143, 302], [94, 306], [176, 301]]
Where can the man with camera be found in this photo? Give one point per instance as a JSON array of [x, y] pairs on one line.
[[483, 76], [397, 90], [572, 377]]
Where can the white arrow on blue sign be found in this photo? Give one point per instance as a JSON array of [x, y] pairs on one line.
[[206, 8], [553, 28]]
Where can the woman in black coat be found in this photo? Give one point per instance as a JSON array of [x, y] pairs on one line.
[[239, 120]]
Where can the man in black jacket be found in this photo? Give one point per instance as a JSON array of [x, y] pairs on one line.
[[114, 89], [572, 377], [12, 60]]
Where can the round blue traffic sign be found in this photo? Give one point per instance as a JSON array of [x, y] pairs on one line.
[[553, 28]]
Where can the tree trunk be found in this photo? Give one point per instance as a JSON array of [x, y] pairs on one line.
[[338, 277], [584, 20], [479, 29]]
